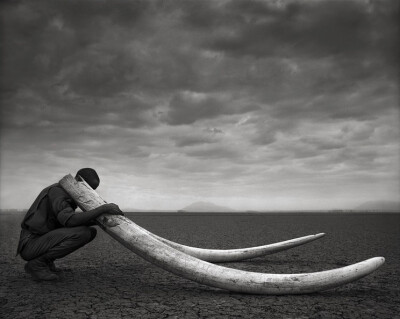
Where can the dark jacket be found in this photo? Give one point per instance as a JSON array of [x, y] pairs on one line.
[[50, 210]]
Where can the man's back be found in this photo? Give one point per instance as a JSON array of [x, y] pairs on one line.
[[50, 210]]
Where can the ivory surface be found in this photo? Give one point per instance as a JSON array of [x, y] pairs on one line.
[[142, 243], [231, 255]]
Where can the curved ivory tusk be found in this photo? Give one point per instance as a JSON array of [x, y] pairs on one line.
[[146, 246], [230, 255], [168, 258]]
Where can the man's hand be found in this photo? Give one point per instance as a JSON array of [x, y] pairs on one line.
[[85, 217], [112, 209]]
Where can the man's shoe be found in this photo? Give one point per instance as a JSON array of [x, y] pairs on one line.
[[39, 270]]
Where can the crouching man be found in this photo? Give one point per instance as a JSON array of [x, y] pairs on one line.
[[51, 229]]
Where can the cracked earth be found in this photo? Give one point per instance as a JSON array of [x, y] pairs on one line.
[[105, 280]]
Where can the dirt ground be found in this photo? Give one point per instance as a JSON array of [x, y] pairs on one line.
[[105, 280]]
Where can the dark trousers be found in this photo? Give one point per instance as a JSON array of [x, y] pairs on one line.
[[58, 243]]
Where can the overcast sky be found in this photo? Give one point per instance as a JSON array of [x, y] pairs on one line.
[[269, 105]]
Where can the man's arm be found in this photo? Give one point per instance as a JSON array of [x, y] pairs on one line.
[[84, 218], [91, 223], [64, 209]]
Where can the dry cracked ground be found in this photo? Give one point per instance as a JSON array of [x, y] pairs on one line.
[[105, 280]]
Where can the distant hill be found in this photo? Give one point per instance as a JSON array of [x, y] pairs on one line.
[[206, 207], [382, 206]]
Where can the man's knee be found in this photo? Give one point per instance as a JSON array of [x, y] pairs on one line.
[[26, 254], [85, 234]]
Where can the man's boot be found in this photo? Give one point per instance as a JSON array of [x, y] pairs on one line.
[[53, 267], [39, 269]]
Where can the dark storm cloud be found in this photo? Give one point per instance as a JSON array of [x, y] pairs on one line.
[[43, 36], [183, 141], [62, 64], [312, 28], [188, 107], [192, 137], [29, 109], [261, 93], [333, 46], [135, 46]]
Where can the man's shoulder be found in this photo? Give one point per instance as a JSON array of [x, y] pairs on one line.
[[45, 191], [58, 195], [56, 190]]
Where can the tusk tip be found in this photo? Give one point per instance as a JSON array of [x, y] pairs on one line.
[[377, 261]]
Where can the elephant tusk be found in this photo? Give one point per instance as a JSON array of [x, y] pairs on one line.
[[181, 264], [231, 255]]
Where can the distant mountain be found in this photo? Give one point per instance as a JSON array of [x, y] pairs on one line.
[[381, 205], [206, 207]]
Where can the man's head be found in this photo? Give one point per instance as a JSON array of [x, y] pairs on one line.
[[90, 176]]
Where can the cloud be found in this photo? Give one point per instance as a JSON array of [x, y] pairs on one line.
[[191, 140], [187, 107], [177, 99], [315, 28]]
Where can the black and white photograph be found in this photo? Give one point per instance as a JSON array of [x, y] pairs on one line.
[[199, 159]]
